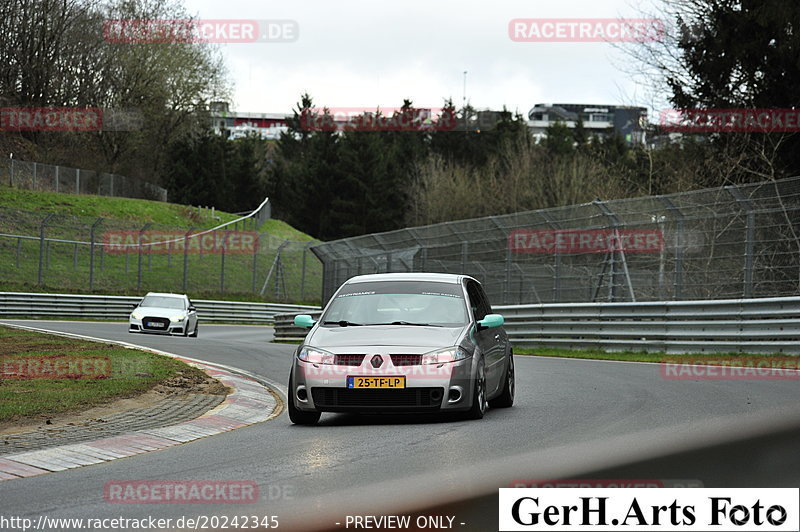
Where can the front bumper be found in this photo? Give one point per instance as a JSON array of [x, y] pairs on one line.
[[147, 325], [428, 388]]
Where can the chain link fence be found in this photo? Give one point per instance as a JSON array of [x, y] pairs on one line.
[[729, 242], [64, 253], [46, 177]]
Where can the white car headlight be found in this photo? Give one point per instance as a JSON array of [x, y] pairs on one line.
[[137, 315], [442, 356], [178, 318], [315, 356]]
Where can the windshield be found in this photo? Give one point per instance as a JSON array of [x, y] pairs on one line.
[[400, 303], [163, 302]]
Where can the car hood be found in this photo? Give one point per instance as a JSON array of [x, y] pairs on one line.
[[159, 312], [384, 335]]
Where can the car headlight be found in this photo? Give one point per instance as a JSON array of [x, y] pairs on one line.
[[178, 318], [315, 356], [137, 315], [442, 356]]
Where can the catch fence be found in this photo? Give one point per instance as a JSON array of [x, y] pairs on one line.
[[54, 178], [723, 243], [64, 253]]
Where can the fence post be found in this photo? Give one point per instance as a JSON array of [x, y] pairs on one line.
[[57, 172], [33, 187], [186, 259], [222, 264], [91, 252], [611, 253], [679, 217], [256, 245], [75, 257], [11, 173], [19, 249], [41, 246], [139, 246], [751, 234], [303, 274], [77, 181], [557, 259]]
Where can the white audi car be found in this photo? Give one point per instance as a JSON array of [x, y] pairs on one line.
[[160, 313]]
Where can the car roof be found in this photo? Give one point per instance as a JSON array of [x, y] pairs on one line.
[[411, 276], [164, 294]]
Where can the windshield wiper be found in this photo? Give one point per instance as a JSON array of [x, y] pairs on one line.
[[342, 323], [408, 323]]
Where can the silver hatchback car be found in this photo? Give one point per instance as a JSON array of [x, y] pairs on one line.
[[402, 342]]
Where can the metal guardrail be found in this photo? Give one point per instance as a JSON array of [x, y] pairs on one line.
[[758, 326], [287, 331], [30, 305]]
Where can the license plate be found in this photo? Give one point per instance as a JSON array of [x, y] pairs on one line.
[[156, 324], [398, 381]]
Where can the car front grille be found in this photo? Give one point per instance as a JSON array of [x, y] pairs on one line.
[[406, 360], [349, 360], [333, 399], [147, 321]]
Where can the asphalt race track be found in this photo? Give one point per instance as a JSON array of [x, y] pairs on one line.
[[561, 405]]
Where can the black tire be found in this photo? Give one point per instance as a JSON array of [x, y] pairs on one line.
[[196, 326], [296, 416], [479, 404], [506, 398]]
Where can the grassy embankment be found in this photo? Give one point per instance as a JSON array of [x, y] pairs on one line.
[[94, 374], [66, 265]]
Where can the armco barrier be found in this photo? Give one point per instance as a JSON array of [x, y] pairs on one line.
[[25, 305], [764, 325], [287, 331]]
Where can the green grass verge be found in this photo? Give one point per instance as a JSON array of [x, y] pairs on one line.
[[641, 356], [26, 357]]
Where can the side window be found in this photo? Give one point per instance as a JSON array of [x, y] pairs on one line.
[[485, 299], [477, 301]]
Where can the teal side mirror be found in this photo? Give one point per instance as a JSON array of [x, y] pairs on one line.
[[492, 320], [304, 320]]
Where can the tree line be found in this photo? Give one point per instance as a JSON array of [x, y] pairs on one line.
[[335, 183], [57, 53]]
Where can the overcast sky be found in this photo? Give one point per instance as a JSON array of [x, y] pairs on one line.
[[376, 53]]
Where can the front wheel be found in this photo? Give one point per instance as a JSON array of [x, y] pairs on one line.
[[479, 404], [506, 398], [196, 326]]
